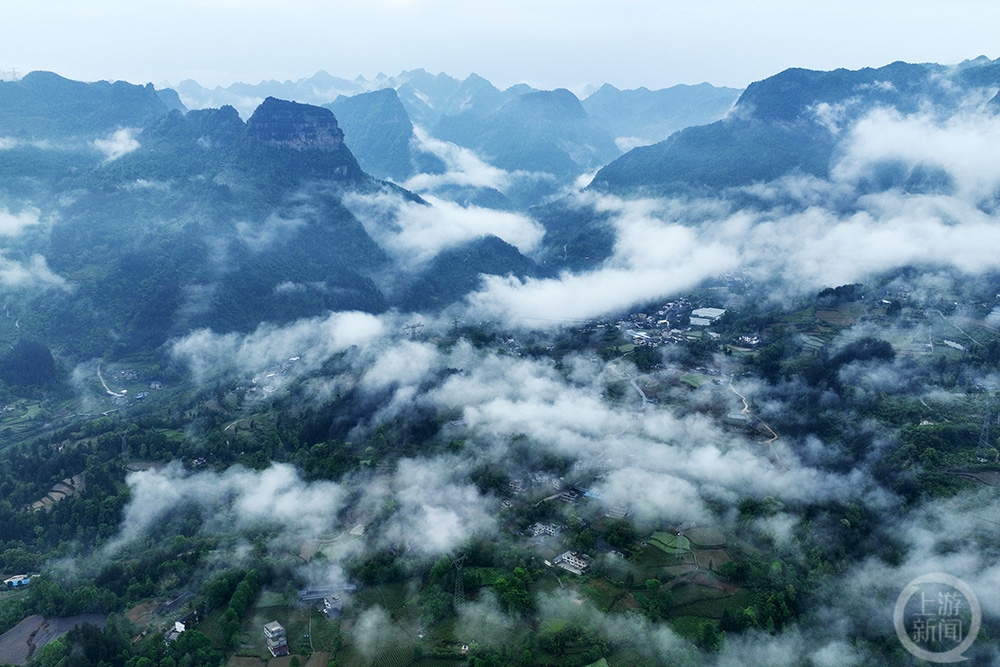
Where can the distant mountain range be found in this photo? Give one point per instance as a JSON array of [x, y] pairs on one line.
[[551, 133], [127, 216], [791, 122], [640, 115]]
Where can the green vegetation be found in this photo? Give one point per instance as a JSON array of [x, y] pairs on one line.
[[703, 583], [670, 544], [194, 429]]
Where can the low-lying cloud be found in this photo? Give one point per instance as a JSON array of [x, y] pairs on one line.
[[437, 509], [306, 343], [261, 237], [117, 144], [959, 146], [464, 167], [31, 274], [234, 499], [414, 233], [466, 171], [812, 233], [671, 464], [11, 224]]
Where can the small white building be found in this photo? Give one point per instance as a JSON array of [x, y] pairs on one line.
[[702, 317], [574, 562], [708, 313], [277, 642], [333, 606], [538, 529]]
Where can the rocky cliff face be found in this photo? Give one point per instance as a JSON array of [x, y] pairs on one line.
[[301, 127], [380, 135]]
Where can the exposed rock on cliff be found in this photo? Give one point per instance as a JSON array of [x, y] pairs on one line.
[[301, 127]]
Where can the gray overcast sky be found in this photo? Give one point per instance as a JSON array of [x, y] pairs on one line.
[[547, 43]]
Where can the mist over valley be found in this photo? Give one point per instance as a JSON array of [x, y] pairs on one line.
[[419, 371]]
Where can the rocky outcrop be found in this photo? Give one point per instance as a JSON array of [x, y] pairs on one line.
[[301, 127], [380, 135]]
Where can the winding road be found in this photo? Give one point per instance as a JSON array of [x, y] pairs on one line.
[[106, 388], [774, 436]]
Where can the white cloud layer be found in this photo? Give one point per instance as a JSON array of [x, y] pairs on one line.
[[235, 498], [685, 459], [11, 224], [33, 273], [958, 145], [437, 509], [117, 144], [830, 236], [310, 342], [464, 167], [414, 233]]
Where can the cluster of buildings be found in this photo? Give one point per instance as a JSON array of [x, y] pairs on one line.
[[270, 381], [668, 324], [125, 375], [517, 486], [619, 512]]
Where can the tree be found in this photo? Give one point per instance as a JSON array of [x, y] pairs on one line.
[[512, 591], [657, 601], [87, 645], [229, 626], [28, 363], [712, 639], [620, 534], [50, 655]]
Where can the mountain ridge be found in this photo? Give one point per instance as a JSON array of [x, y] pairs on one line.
[[789, 123]]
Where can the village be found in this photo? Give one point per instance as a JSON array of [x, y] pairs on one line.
[[569, 539]]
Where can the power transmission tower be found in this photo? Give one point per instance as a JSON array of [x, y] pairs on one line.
[[984, 450], [413, 329], [459, 579]]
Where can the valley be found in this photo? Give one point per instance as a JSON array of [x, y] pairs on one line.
[[419, 371]]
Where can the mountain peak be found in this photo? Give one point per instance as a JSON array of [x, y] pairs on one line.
[[297, 126], [548, 103], [42, 104]]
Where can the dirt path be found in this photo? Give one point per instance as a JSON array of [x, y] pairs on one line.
[[106, 388], [774, 436]]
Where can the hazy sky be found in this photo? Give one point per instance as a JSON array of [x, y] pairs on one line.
[[547, 43]]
